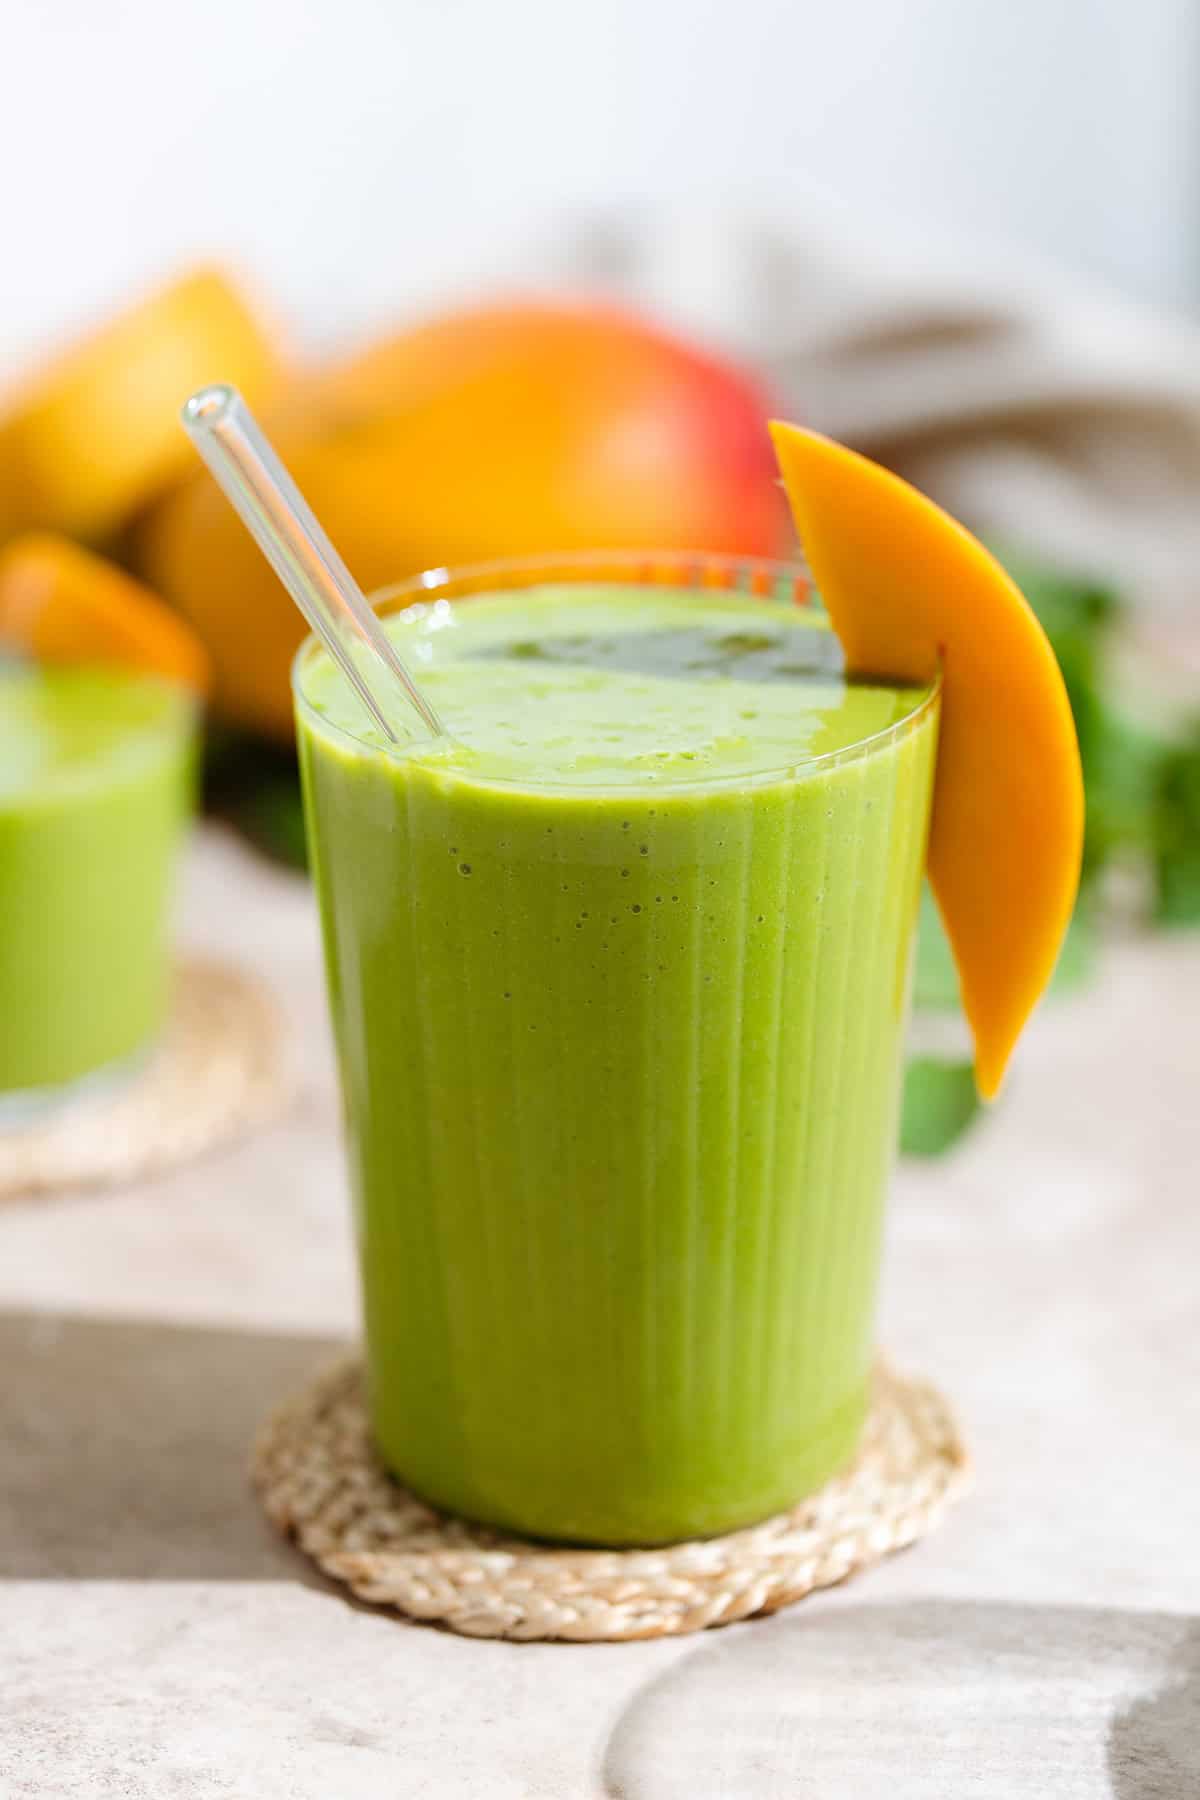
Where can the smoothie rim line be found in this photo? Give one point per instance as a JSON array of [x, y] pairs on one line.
[[590, 567]]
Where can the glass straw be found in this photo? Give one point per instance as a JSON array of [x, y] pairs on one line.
[[286, 530]]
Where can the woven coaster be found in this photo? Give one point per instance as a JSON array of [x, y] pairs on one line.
[[322, 1485], [219, 1070]]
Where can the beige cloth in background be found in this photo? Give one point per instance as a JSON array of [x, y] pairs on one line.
[[1039, 411]]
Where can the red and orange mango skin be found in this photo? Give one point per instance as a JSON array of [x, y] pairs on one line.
[[492, 432], [585, 425], [908, 589]]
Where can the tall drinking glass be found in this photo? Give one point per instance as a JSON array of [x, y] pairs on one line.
[[619, 982]]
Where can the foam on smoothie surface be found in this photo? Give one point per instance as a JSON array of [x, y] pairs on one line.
[[601, 685], [63, 726]]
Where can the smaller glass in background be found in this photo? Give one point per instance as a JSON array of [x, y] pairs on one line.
[[96, 787]]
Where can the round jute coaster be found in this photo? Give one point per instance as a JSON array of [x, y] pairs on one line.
[[322, 1485], [219, 1070]]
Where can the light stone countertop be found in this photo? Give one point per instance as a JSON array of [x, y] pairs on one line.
[[156, 1640]]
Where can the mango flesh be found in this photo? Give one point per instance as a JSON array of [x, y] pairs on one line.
[[93, 437], [498, 431], [908, 588], [60, 603]]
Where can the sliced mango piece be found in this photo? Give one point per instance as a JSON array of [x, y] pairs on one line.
[[908, 588], [93, 437], [61, 604]]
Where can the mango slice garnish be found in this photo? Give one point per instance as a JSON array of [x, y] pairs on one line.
[[908, 589]]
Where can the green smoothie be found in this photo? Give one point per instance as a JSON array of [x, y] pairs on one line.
[[619, 982], [95, 780]]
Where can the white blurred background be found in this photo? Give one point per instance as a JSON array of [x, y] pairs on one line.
[[375, 156]]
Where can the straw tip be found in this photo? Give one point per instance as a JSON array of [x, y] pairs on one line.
[[209, 405]]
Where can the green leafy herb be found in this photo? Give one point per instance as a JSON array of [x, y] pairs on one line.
[[1077, 959], [935, 978], [256, 787], [272, 817], [1176, 816], [939, 1104]]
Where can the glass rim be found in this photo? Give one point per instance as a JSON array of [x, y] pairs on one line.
[[751, 578]]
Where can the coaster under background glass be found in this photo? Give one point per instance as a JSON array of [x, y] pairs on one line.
[[321, 1484], [218, 1071]]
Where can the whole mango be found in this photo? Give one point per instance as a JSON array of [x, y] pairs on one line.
[[92, 438], [497, 431]]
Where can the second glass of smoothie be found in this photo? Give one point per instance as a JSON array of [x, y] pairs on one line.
[[619, 980], [96, 778]]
